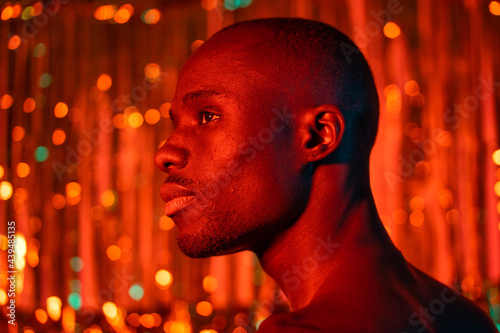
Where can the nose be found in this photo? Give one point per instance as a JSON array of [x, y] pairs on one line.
[[170, 157]]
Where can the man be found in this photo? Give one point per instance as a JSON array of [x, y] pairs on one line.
[[274, 121]]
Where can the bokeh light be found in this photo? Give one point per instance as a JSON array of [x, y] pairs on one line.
[[152, 72], [58, 137], [29, 105], [165, 223], [14, 42], [393, 98], [104, 82], [17, 133], [210, 284], [105, 12], [58, 201], [152, 116], [196, 44], [6, 101], [123, 14], [7, 12], [54, 307], [23, 170], [113, 252], [75, 301], [76, 264], [40, 50], [45, 80], [411, 87], [209, 4], [41, 316], [496, 157], [391, 30], [108, 198], [204, 308], [2, 172], [151, 16], [135, 120], [163, 278], [494, 8], [136, 292], [41, 153], [61, 110], [5, 190]]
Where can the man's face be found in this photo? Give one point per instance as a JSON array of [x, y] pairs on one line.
[[231, 161]]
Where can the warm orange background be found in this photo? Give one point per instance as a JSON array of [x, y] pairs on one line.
[[92, 85]]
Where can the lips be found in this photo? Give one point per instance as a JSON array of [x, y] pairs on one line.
[[177, 197]]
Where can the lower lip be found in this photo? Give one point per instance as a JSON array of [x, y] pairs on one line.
[[175, 205]]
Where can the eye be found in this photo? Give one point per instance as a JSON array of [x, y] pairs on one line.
[[207, 117]]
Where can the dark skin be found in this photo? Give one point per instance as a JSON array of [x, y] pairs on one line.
[[315, 232]]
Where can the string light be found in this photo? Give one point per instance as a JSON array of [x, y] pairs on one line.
[[391, 30]]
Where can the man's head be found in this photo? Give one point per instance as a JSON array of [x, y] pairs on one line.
[[258, 109]]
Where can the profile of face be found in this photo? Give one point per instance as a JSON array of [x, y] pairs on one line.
[[234, 172]]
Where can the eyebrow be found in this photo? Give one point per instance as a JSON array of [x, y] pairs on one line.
[[201, 94]]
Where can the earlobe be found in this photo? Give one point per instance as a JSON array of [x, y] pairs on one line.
[[326, 126]]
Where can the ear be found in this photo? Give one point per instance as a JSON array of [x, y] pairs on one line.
[[324, 130]]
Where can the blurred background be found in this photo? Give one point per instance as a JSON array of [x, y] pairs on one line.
[[85, 88]]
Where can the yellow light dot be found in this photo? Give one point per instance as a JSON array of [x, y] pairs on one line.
[[109, 309], [204, 308], [14, 42], [32, 258], [108, 198], [166, 223], [7, 13], [61, 110], [497, 188], [152, 116], [29, 105], [210, 284], [209, 331], [196, 44], [17, 133], [58, 201], [152, 16], [6, 101], [41, 316], [5, 190], [54, 307], [391, 30], [3, 296], [411, 87], [73, 189], [58, 137], [114, 252], [417, 203], [2, 171], [163, 278], [135, 120], [121, 16], [104, 82], [417, 218], [23, 170], [496, 157], [494, 8]]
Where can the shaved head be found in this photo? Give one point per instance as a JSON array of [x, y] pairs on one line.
[[308, 63]]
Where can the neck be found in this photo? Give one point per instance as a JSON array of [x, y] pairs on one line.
[[338, 234]]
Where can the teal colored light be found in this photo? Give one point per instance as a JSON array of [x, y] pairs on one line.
[[75, 286], [76, 264], [136, 291], [75, 301], [232, 4], [39, 50], [41, 153], [245, 3], [45, 80]]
